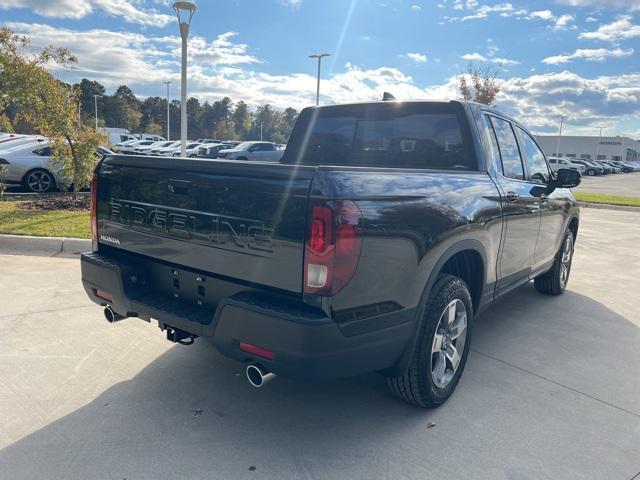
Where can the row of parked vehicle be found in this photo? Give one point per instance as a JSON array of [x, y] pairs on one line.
[[205, 148], [593, 167]]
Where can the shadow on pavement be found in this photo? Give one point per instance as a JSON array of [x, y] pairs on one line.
[[191, 413]]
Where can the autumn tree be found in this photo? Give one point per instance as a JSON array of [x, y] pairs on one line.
[[49, 105], [480, 83]]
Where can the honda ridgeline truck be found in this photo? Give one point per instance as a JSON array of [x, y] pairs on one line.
[[371, 246]]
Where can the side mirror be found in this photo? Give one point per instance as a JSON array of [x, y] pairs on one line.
[[567, 178]]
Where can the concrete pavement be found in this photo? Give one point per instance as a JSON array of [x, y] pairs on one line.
[[551, 390], [627, 184]]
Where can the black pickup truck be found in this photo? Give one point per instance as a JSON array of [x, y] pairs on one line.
[[386, 228]]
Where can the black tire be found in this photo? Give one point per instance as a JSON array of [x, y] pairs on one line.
[[591, 172], [39, 180], [554, 282], [417, 385]]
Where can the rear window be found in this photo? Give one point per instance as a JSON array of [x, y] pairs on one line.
[[418, 135]]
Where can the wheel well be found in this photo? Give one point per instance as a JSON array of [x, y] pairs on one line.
[[573, 226], [468, 266]]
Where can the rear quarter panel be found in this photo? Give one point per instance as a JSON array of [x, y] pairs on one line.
[[412, 219]]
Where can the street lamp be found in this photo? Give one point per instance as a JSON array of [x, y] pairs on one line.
[[168, 118], [95, 101], [184, 12], [319, 56]]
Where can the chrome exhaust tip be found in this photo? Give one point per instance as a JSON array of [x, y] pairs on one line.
[[111, 316], [258, 375]]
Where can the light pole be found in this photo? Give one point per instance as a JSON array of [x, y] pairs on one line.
[[184, 12], [559, 137], [598, 147], [95, 102], [319, 56], [168, 118]]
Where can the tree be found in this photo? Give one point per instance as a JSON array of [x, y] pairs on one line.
[[480, 83], [241, 119], [49, 105]]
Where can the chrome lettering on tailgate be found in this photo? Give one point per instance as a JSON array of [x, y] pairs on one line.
[[219, 231]]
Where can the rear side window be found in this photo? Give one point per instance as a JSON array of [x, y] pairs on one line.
[[380, 135], [508, 148]]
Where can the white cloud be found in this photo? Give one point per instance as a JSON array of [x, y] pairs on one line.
[[620, 29], [129, 10], [478, 57], [625, 4], [589, 54], [591, 19], [474, 57], [417, 57], [564, 22], [416, 8], [543, 15]]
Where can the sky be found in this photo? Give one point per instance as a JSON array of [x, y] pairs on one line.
[[577, 58]]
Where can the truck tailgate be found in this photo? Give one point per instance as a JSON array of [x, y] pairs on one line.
[[238, 220]]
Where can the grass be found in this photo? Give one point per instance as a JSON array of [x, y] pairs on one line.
[[606, 198], [52, 223]]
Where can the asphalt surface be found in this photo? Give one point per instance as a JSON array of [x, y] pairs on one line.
[[627, 184], [551, 390]]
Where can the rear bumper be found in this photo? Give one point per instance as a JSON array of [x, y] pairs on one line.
[[307, 346]]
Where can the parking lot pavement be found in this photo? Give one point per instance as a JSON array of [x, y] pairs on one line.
[[551, 390], [627, 184]]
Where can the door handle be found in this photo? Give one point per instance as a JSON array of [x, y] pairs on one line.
[[512, 196]]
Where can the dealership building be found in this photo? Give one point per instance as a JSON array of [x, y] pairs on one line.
[[590, 148]]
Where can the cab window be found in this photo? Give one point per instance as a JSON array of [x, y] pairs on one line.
[[508, 148], [534, 158]]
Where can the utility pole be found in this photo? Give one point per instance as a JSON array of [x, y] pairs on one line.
[[319, 56], [168, 116], [260, 131], [559, 137]]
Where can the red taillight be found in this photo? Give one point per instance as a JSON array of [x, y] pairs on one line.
[[94, 207], [333, 247], [104, 295], [255, 350]]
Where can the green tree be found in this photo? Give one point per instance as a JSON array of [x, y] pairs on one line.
[[241, 120]]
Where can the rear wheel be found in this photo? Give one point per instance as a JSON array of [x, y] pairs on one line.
[[39, 181], [441, 348], [554, 282], [591, 172]]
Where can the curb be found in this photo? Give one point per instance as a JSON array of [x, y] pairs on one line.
[[608, 206], [43, 246]]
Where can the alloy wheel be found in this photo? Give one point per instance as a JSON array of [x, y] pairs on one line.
[[565, 261], [39, 181], [448, 343]]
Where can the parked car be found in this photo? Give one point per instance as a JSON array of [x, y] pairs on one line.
[[30, 165], [12, 142], [607, 168], [614, 168], [211, 151], [132, 148], [558, 163], [148, 136], [104, 151], [372, 245], [591, 168], [191, 150], [622, 166], [264, 151], [162, 151], [146, 149]]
